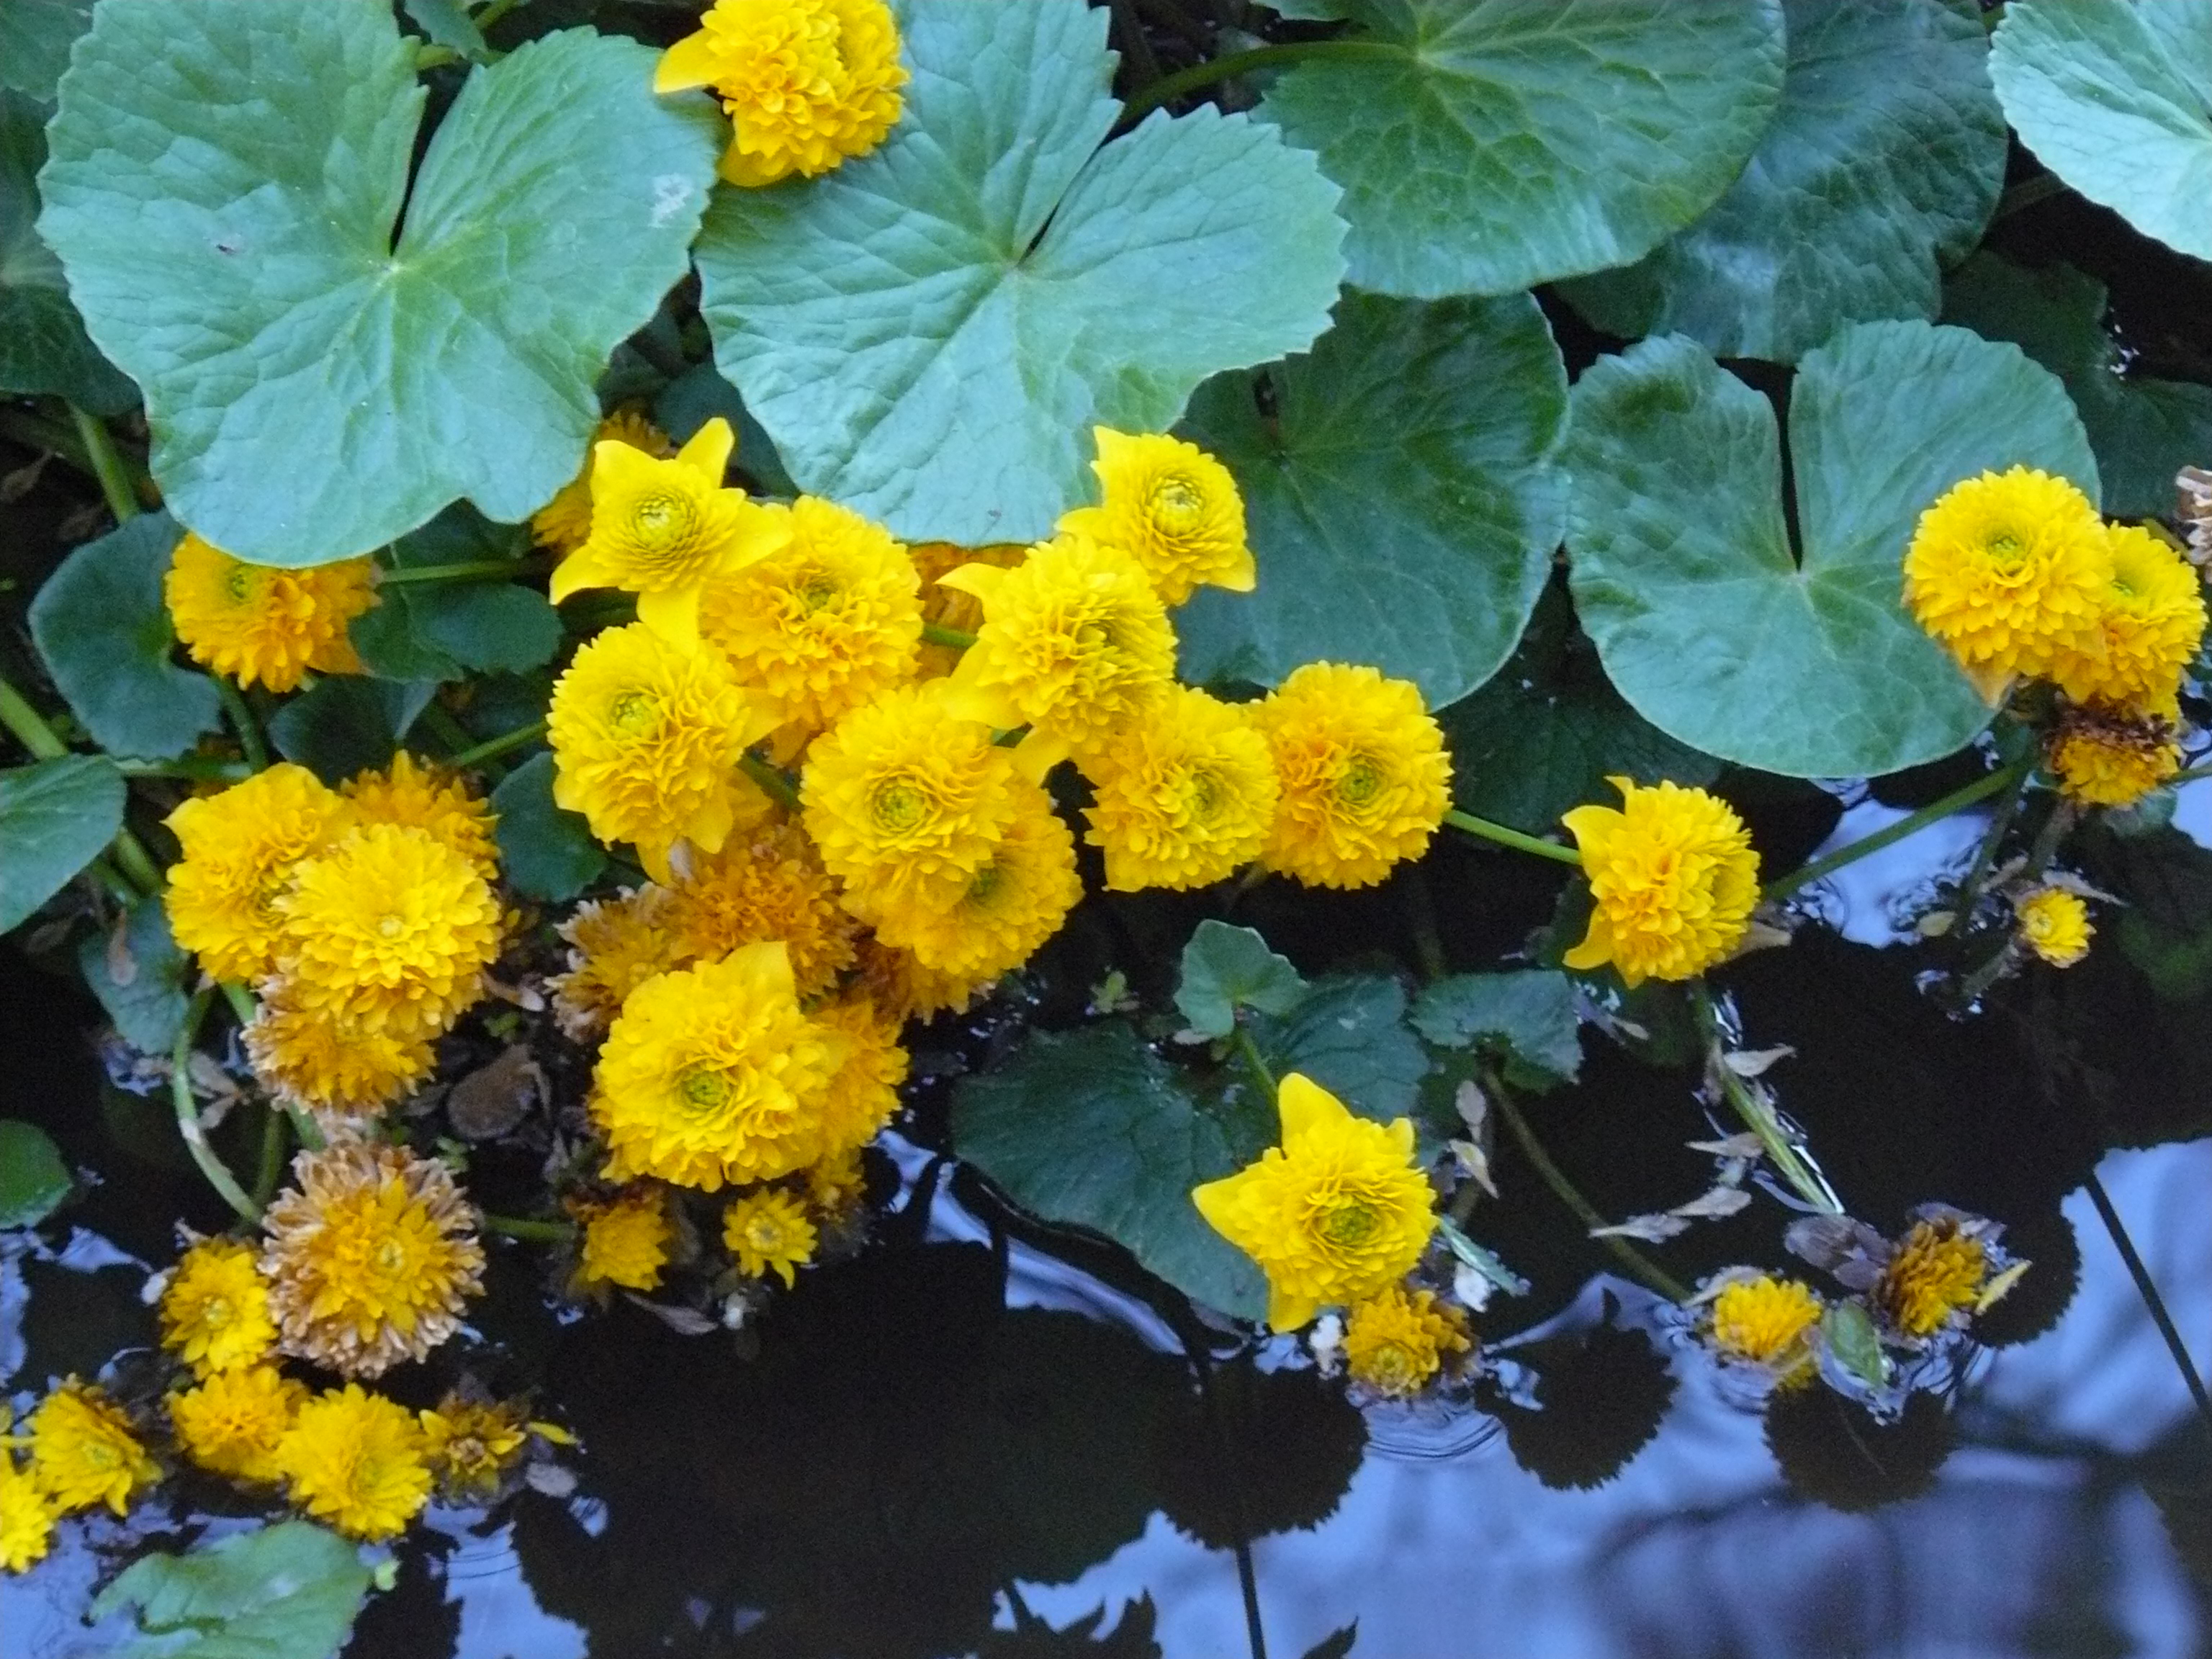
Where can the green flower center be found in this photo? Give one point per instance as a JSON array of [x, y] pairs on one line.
[[1349, 1225], [897, 805], [703, 1088], [631, 710], [1360, 781], [1177, 503], [659, 522]]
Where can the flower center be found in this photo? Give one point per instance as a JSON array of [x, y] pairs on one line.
[[703, 1088], [897, 805], [1360, 781], [660, 522], [1351, 1224], [238, 583], [631, 710], [764, 1235], [815, 591], [389, 927], [1176, 503], [1207, 796]]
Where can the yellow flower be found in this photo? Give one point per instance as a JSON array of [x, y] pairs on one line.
[[392, 928], [1673, 878], [824, 623], [1185, 796], [564, 524], [769, 1231], [902, 988], [949, 607], [2054, 923], [356, 1460], [1394, 1342], [835, 1185], [338, 1065], [1364, 774], [240, 847], [645, 739], [807, 83], [1073, 642], [711, 1075], [419, 797], [1336, 1213], [371, 1257], [2147, 628], [1936, 1271], [252, 623], [615, 945], [234, 1422], [83, 1451], [471, 1444], [2114, 756], [1173, 508], [2010, 572], [214, 1311], [26, 1518], [664, 530], [1012, 903], [863, 1097], [771, 886], [625, 1242], [1765, 1320]]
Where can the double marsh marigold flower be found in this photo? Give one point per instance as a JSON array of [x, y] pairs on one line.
[[357, 1460], [84, 1451], [902, 988], [615, 945], [240, 848], [2113, 756], [1337, 1212], [1936, 1273], [807, 83], [233, 1423], [215, 1310], [334, 1063], [252, 623], [1673, 879], [371, 1257], [769, 886], [470, 1444], [26, 1515], [2054, 925], [768, 1231], [1362, 774], [1396, 1340], [1764, 1321], [1173, 508], [1185, 796], [564, 524], [2147, 628], [863, 1097], [626, 1240], [1009, 906], [418, 797]]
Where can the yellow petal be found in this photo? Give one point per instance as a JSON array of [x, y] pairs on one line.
[[691, 62], [673, 614], [708, 451], [1305, 1106], [1036, 754], [763, 528], [580, 570], [1289, 1311], [1242, 577], [1591, 826], [980, 580], [767, 969], [1596, 948]]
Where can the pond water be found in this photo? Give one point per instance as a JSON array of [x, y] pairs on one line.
[[980, 1438]]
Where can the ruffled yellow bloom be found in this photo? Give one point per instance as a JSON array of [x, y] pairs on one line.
[[252, 623], [615, 945], [2147, 628], [768, 1231], [2113, 756], [1014, 901], [1765, 1320], [712, 1076], [902, 988], [1173, 508], [1394, 1340], [26, 1518], [357, 1460], [371, 1255], [338, 1065], [807, 83], [564, 524], [2010, 572], [391, 928], [419, 797], [769, 886], [625, 1242], [234, 1422], [1936, 1271], [826, 623], [863, 1097], [645, 740], [1673, 878], [1335, 1214], [1073, 642], [84, 1452], [470, 1444], [1185, 796], [2054, 924], [240, 848], [215, 1310], [1362, 770], [835, 1185]]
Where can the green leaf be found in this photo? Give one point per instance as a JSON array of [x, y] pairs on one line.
[[1530, 1014], [492, 628], [699, 393], [34, 42], [43, 346], [1225, 969], [2144, 430], [447, 24], [930, 332], [236, 255], [33, 1180], [102, 628], [544, 851], [2113, 99], [1849, 1332], [1402, 499], [1683, 571], [1882, 166], [140, 976], [287, 1591], [346, 723], [1489, 145], [55, 818], [1090, 1128], [1348, 1033]]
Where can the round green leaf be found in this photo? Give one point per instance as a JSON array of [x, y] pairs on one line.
[[347, 723], [1487, 145], [929, 333], [1401, 497], [43, 346], [1226, 968], [2117, 100], [289, 1588], [1798, 662], [545, 852], [233, 245], [55, 818], [1530, 1014], [1348, 1033], [1882, 166], [34, 42], [140, 976], [33, 1180]]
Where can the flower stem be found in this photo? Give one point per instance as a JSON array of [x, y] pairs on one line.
[[272, 1156], [240, 1000], [774, 784], [938, 634], [2147, 1289], [493, 12], [2193, 775], [31, 730], [243, 722], [1254, 1062], [107, 465], [1757, 1114], [548, 1233], [1986, 855], [467, 570], [197, 769], [506, 744], [188, 1113], [1169, 87], [1959, 799], [1504, 837]]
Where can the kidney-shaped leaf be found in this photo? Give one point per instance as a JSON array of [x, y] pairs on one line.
[[287, 1591], [230, 237], [43, 346], [1711, 626], [930, 332], [55, 818]]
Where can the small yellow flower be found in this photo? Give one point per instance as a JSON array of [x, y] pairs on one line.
[[2108, 755], [864, 1095], [1673, 878], [357, 1460], [215, 1310], [84, 1452], [1394, 1342], [768, 886], [1332, 1215], [240, 848], [768, 1231], [2147, 629], [835, 1185], [625, 1242], [1185, 796], [470, 1444], [807, 83], [252, 623], [2054, 924], [712, 1075], [233, 1423], [1764, 1320], [615, 945], [1938, 1271], [902, 988], [1364, 774], [564, 524], [26, 1518], [1012, 902], [1173, 508], [419, 797], [336, 1064]]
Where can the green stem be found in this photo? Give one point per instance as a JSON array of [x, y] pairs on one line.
[[188, 1113], [1169, 87], [124, 893], [196, 768], [549, 1232], [107, 465], [1986, 855], [242, 722], [138, 863], [304, 1130], [1757, 1116], [240, 1000], [29, 726], [2147, 1289], [493, 12], [468, 570], [2193, 775], [1981, 789], [2027, 193], [1504, 837], [936, 634], [776, 787], [272, 1156], [35, 432], [1249, 1052], [491, 750]]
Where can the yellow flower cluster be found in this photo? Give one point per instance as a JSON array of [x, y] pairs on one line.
[[254, 624], [1674, 880], [1764, 1321], [1939, 1270], [2054, 923], [1396, 1340]]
